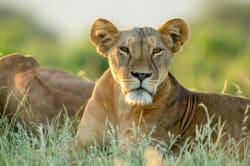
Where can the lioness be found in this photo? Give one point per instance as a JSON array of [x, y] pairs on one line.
[[38, 94], [139, 90]]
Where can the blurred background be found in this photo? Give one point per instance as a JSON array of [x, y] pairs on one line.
[[56, 34]]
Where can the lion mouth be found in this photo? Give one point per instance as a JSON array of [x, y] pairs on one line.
[[139, 96], [140, 90]]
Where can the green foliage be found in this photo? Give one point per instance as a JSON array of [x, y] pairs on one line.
[[212, 56], [19, 33], [84, 57]]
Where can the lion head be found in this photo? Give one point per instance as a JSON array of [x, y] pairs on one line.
[[139, 58]]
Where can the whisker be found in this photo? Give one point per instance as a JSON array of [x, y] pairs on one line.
[[124, 79], [153, 81]]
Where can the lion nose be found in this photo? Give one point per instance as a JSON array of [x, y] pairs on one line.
[[141, 76]]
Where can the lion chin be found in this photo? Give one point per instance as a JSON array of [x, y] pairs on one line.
[[138, 97]]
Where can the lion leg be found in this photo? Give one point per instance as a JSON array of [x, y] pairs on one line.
[[93, 127]]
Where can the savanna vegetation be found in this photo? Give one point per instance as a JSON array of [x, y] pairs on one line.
[[49, 147], [215, 59]]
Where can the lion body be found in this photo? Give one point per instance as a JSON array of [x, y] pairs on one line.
[[139, 91], [174, 110], [39, 94]]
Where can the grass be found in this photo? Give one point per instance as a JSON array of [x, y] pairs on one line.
[[20, 147]]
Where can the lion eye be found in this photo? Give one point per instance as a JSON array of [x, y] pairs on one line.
[[124, 49], [157, 50]]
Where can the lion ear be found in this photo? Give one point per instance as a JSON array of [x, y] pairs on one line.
[[103, 34], [174, 33]]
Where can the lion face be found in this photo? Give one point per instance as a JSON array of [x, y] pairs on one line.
[[139, 58], [139, 61]]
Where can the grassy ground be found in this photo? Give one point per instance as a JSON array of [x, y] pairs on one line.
[[18, 147]]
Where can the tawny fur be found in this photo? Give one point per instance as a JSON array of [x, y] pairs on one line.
[[172, 109], [38, 94]]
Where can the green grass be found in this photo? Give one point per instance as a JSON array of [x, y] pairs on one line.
[[19, 147]]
